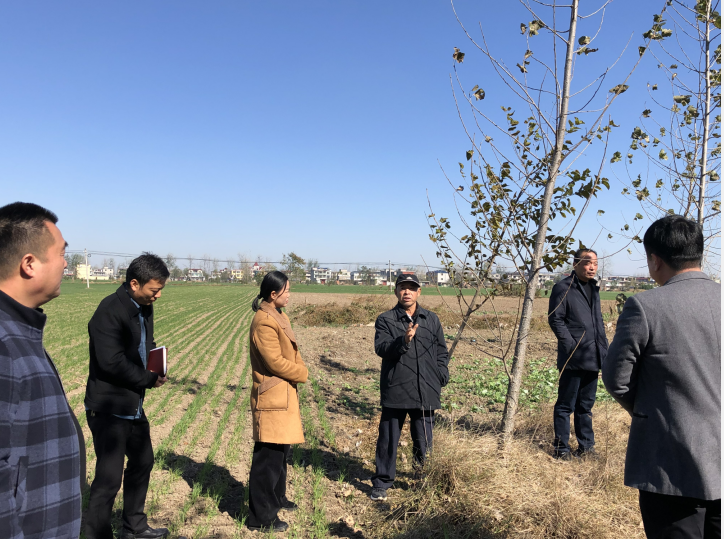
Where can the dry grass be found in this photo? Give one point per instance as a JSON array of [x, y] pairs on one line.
[[366, 309], [362, 310], [473, 489]]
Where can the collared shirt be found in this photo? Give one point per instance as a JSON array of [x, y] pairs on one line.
[[142, 353]]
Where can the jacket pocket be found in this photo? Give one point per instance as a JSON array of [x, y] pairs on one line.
[[640, 416], [20, 484], [273, 394]]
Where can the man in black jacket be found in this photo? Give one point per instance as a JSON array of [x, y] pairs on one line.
[[411, 343], [574, 314], [121, 335]]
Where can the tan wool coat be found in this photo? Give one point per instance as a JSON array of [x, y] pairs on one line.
[[277, 368]]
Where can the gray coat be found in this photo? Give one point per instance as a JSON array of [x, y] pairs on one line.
[[664, 368]]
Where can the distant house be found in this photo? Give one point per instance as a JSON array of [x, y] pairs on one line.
[[237, 274], [438, 278], [256, 268], [195, 275], [85, 271], [344, 276], [320, 275]]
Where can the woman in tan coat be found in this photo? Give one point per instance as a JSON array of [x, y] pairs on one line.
[[277, 368]]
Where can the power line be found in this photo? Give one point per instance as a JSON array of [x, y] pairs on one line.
[[200, 259]]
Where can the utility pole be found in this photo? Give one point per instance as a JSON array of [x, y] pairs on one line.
[[389, 274], [87, 269]]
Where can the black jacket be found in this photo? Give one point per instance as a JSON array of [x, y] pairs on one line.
[[574, 317], [117, 378], [414, 373]]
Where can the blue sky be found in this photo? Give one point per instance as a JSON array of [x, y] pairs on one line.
[[260, 127]]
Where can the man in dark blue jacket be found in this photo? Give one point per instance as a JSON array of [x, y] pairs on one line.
[[411, 343], [574, 314]]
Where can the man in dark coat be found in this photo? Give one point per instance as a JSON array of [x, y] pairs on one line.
[[574, 314], [121, 335], [664, 368], [42, 452], [411, 343]]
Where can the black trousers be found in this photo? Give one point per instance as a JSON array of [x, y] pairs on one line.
[[577, 395], [678, 517], [391, 425], [114, 439], [267, 482]]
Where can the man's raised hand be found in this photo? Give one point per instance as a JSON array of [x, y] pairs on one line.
[[410, 333]]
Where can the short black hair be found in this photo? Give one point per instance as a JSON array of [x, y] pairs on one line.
[[147, 267], [678, 241], [580, 252], [22, 231]]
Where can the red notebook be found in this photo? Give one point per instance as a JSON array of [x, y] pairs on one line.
[[157, 361]]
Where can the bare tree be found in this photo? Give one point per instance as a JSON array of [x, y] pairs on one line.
[[206, 264], [680, 134], [170, 261], [521, 174], [245, 267]]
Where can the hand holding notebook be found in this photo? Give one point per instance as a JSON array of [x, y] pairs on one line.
[[157, 361]]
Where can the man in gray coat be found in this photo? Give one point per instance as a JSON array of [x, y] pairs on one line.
[[664, 368]]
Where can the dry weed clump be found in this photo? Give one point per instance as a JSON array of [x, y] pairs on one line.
[[362, 310], [491, 322], [474, 489]]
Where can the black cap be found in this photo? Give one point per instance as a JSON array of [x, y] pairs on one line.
[[407, 278]]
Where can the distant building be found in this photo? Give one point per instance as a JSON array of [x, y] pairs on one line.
[[344, 275], [320, 275], [195, 275], [256, 268], [237, 274], [438, 278], [85, 271]]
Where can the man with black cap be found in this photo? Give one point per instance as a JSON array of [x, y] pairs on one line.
[[411, 343]]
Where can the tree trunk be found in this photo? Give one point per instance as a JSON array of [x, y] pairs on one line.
[[705, 147], [521, 344]]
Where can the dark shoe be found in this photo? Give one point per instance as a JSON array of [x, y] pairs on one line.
[[562, 455], [586, 454], [289, 505], [148, 533], [378, 495], [277, 526]]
